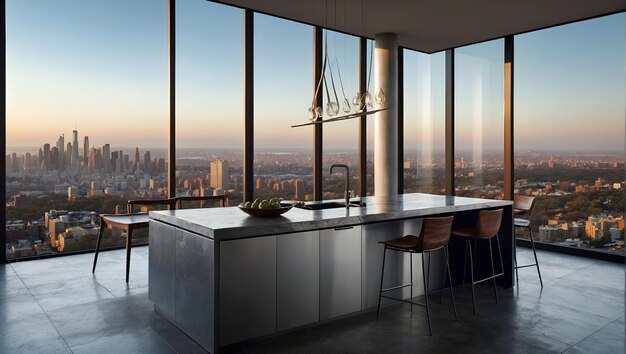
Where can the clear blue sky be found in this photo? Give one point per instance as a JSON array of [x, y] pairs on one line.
[[102, 66]]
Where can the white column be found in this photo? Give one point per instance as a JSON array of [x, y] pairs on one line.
[[386, 122]]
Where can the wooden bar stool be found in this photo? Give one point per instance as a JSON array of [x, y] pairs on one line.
[[524, 205], [129, 222], [486, 228], [434, 236]]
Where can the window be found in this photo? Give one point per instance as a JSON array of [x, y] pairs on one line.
[[86, 118], [283, 86], [424, 122], [479, 120], [569, 132], [209, 100]]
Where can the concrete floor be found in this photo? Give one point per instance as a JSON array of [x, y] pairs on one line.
[[57, 306]]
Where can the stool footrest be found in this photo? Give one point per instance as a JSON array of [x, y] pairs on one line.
[[403, 300], [396, 287], [488, 278], [526, 265]]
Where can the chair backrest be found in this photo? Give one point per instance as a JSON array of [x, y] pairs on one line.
[[489, 223], [221, 200], [170, 203], [523, 202], [435, 232]]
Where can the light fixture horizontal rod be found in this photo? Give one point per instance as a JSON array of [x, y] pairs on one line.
[[336, 119]]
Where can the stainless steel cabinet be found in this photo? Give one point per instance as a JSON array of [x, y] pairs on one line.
[[195, 283], [340, 271], [162, 267], [247, 289], [297, 279]]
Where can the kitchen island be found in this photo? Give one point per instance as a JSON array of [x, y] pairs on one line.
[[222, 276]]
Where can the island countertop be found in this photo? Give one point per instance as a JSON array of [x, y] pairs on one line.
[[229, 223]]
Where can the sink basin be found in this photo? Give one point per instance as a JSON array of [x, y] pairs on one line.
[[326, 205]]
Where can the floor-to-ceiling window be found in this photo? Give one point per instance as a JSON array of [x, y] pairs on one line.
[[569, 131], [86, 118], [424, 122], [479, 122], [209, 100], [340, 139], [283, 90]]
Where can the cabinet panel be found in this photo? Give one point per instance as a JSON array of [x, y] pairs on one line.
[[195, 285], [297, 279], [161, 266], [340, 272], [247, 288]]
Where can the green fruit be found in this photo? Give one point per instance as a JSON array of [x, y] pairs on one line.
[[275, 205], [273, 200], [264, 205], [255, 204], [247, 205]]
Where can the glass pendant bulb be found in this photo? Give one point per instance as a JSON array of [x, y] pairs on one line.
[[380, 96], [357, 103], [332, 108], [367, 99], [311, 114], [346, 106], [319, 112]]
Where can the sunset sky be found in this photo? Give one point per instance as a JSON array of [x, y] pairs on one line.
[[102, 66]]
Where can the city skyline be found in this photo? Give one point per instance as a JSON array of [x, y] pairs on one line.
[[107, 69]]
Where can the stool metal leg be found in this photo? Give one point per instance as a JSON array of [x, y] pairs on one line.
[[445, 249], [493, 271], [411, 272], [430, 332], [95, 258], [472, 275], [515, 259], [382, 275], [532, 242]]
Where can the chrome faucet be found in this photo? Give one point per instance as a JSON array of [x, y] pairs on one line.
[[347, 191]]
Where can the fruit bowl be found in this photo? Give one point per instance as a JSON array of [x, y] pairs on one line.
[[269, 212]]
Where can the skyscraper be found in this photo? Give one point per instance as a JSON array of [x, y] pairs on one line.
[[46, 156], [60, 152], [220, 174], [75, 150], [106, 157], [137, 158], [86, 151]]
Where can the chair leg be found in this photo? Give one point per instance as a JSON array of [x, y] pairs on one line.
[[430, 331], [493, 271], [532, 242], [472, 275], [129, 244], [411, 273], [95, 258], [450, 280], [464, 263], [382, 275]]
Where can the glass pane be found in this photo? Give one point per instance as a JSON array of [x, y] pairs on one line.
[[569, 132], [424, 122], [341, 139], [283, 91], [87, 118], [209, 100], [479, 120], [371, 86]]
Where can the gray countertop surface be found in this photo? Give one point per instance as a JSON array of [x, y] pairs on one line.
[[231, 223]]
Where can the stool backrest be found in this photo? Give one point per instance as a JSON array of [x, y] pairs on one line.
[[489, 223], [435, 232], [169, 203], [209, 200]]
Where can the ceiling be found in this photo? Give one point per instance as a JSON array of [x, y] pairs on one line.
[[434, 25]]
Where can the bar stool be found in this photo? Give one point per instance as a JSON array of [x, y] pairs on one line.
[[434, 236], [486, 229], [524, 205]]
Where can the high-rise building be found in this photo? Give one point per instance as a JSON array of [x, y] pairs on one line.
[[147, 162], [85, 151], [75, 150], [69, 152], [220, 174], [300, 189], [106, 157], [61, 152], [136, 167], [46, 156]]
